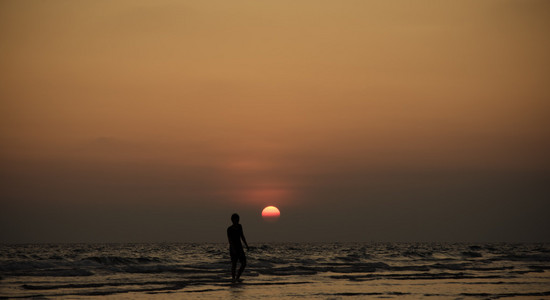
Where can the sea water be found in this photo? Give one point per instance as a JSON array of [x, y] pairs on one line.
[[276, 271]]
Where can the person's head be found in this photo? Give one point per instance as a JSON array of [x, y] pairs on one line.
[[235, 218]]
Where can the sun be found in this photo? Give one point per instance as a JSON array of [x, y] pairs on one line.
[[271, 213]]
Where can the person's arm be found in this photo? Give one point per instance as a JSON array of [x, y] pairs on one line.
[[243, 238]]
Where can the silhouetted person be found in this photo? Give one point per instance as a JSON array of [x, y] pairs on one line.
[[234, 235]]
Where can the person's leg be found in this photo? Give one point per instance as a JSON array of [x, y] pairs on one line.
[[241, 269], [234, 258], [233, 268]]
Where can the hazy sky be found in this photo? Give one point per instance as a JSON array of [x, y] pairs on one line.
[[142, 121]]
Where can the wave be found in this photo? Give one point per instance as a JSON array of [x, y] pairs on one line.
[[116, 260], [506, 295], [416, 276], [89, 265]]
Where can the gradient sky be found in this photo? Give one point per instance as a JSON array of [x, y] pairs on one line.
[[148, 121]]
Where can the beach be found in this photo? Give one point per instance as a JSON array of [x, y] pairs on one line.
[[276, 271]]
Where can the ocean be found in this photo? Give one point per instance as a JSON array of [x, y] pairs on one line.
[[276, 271]]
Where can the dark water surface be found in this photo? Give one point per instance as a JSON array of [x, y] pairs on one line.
[[279, 270]]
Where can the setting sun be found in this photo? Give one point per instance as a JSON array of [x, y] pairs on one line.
[[271, 213]]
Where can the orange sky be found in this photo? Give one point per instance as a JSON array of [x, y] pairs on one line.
[[251, 103]]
